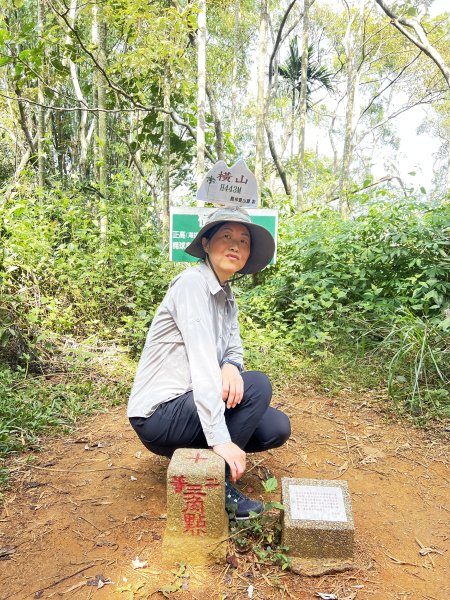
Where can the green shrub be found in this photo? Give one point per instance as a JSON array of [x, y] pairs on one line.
[[58, 277], [355, 283]]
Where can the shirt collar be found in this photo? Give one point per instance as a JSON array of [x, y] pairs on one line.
[[213, 284]]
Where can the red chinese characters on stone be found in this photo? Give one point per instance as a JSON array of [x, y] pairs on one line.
[[178, 482], [194, 510], [197, 457], [193, 502], [212, 482]]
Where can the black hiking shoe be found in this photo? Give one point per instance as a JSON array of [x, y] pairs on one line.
[[239, 506]]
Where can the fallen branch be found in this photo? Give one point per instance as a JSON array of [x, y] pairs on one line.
[[401, 562], [47, 587], [85, 471]]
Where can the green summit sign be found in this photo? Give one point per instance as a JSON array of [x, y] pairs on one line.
[[185, 223]]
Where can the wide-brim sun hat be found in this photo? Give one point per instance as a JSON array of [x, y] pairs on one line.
[[262, 246]]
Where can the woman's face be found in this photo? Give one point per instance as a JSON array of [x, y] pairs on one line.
[[228, 249]]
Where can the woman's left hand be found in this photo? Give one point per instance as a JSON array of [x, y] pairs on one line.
[[232, 385]]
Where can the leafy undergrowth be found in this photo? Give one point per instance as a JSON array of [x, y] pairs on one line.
[[366, 294]]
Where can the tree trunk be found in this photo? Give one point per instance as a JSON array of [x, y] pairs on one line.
[[292, 123], [19, 168], [303, 98], [24, 124], [276, 160], [217, 122], [351, 42], [82, 126], [333, 144], [273, 69], [260, 100], [99, 29], [201, 91], [166, 163], [40, 110], [236, 52], [448, 167]]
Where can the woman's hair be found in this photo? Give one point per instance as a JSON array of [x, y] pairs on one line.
[[208, 234]]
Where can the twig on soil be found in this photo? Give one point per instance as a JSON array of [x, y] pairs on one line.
[[415, 575], [267, 580], [242, 577], [87, 521], [286, 589], [231, 536], [72, 588], [428, 550], [85, 471], [348, 445], [373, 471], [256, 464], [319, 416], [413, 460], [47, 587], [401, 562], [88, 539]]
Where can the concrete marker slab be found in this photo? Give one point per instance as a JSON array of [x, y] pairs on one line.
[[318, 526], [196, 518]]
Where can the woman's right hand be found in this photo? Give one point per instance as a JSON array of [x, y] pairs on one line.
[[234, 457]]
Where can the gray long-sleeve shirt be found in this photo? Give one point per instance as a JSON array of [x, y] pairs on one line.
[[195, 329]]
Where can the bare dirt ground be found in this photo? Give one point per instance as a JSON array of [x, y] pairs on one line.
[[83, 508]]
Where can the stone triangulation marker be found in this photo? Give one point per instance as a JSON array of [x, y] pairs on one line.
[[196, 517], [318, 525]]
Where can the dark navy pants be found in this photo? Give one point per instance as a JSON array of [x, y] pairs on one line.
[[254, 426]]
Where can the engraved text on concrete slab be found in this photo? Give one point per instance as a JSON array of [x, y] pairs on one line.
[[318, 526], [317, 503]]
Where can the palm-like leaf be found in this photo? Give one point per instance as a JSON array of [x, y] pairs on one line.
[[291, 71]]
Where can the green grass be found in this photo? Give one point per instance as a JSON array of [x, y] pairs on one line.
[[409, 366], [32, 407]]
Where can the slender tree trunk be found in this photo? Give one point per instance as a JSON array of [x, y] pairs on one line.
[[32, 143], [94, 39], [303, 107], [316, 156], [352, 41], [333, 144], [236, 52], [166, 144], [82, 126], [201, 92], [260, 100], [58, 137], [448, 167], [19, 168], [292, 123], [276, 160], [102, 157], [217, 122], [40, 111], [272, 75]]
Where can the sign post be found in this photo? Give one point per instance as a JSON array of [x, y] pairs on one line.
[[231, 186]]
